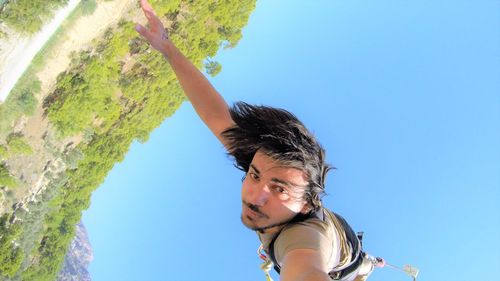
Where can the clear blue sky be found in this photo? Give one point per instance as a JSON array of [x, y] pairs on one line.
[[404, 96]]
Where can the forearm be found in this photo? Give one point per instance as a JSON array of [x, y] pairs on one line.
[[317, 276], [307, 276], [304, 265], [207, 102]]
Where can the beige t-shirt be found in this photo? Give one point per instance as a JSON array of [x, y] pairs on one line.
[[326, 236]]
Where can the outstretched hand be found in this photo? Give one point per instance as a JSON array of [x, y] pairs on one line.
[[156, 35]]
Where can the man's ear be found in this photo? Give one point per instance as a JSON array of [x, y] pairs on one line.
[[306, 209]]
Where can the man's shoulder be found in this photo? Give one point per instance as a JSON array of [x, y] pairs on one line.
[[311, 233], [311, 226]]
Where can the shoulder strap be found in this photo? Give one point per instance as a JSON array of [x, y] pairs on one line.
[[346, 271]]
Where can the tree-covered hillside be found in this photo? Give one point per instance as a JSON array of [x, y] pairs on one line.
[[114, 92]]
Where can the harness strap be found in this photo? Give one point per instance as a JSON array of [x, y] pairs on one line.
[[266, 265]]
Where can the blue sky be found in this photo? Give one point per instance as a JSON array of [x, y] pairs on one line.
[[404, 96]]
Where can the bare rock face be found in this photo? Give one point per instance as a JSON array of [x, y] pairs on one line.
[[77, 258]]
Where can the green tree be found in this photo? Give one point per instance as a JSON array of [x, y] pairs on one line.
[[5, 178], [21, 101], [17, 145], [4, 154], [26, 101], [212, 67], [72, 157], [11, 256]]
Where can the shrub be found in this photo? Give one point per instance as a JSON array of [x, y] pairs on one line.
[[5, 178], [4, 153], [17, 145]]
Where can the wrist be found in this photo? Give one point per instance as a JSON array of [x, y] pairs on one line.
[[167, 47]]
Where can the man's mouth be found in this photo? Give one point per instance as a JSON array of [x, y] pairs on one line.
[[252, 212]]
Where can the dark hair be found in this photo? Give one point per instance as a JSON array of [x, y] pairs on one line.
[[280, 135]]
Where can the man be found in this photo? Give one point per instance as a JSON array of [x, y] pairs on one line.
[[285, 172]]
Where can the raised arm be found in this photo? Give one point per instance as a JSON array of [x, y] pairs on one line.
[[207, 102]]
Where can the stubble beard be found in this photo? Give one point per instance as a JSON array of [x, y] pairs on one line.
[[260, 229]]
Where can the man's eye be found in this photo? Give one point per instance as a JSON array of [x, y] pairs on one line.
[[280, 189], [253, 175]]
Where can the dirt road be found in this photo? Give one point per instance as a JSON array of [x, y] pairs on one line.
[[17, 52]]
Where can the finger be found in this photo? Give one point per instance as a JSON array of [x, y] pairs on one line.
[[152, 18], [144, 32], [146, 7], [148, 11]]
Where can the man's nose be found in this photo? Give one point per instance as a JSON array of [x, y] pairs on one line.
[[260, 194]]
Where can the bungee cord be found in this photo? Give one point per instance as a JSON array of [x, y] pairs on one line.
[[410, 270]]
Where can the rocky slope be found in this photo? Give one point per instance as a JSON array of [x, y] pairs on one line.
[[78, 258]]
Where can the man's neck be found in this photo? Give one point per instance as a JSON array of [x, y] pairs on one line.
[[272, 230]]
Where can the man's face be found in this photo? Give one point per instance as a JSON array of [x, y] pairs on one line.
[[272, 194]]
